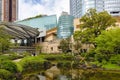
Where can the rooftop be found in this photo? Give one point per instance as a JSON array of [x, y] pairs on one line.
[[18, 30]]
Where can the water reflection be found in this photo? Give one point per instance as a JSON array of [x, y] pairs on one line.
[[63, 77], [41, 77], [79, 74]]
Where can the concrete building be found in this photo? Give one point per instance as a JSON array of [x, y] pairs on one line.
[[65, 26], [51, 43], [79, 7], [8, 10]]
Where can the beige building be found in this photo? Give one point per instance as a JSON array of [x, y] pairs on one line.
[[77, 24], [50, 46], [51, 43]]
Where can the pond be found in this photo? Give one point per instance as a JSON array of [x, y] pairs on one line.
[[55, 73]]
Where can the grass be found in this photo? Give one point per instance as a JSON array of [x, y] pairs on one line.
[[108, 65], [111, 66]]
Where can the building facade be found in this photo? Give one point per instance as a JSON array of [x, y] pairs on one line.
[[76, 7], [113, 7], [8, 10], [79, 7], [65, 25], [42, 22], [0, 10]]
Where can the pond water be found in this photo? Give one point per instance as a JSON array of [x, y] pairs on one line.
[[78, 74]]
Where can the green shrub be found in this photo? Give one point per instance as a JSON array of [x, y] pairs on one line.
[[10, 56], [31, 77], [58, 57], [4, 57], [30, 64], [5, 75], [115, 59], [8, 65], [64, 65], [75, 65]]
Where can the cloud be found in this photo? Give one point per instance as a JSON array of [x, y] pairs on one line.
[[29, 8]]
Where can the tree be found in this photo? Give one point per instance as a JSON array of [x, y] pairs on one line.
[[65, 45], [92, 24], [108, 43], [38, 49], [4, 40]]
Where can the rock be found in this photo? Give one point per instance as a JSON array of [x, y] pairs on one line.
[[52, 73]]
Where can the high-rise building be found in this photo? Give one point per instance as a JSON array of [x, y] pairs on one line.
[[0, 10], [8, 10], [113, 7], [79, 7], [76, 8], [65, 25]]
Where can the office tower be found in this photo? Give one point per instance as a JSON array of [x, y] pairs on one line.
[[0, 10], [65, 26], [113, 7], [8, 10], [76, 8], [79, 7]]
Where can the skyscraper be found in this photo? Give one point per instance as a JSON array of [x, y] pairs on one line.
[[65, 25], [0, 10], [79, 7], [113, 7], [8, 10]]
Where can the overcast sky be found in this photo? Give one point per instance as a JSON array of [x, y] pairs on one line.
[[29, 8]]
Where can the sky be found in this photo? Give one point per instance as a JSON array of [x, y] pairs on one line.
[[30, 8]]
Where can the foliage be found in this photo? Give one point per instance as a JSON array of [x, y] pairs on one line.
[[30, 64], [4, 40], [31, 77], [115, 59], [38, 49], [64, 65], [8, 65], [108, 43], [65, 45], [5, 75], [58, 57], [10, 56], [100, 75], [92, 24], [77, 46], [37, 16]]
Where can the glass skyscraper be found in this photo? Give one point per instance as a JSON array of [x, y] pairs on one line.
[[65, 26], [79, 7]]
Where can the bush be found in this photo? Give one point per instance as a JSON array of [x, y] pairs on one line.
[[10, 56], [30, 64], [31, 77], [75, 65], [8, 65], [115, 59], [5, 75], [64, 65], [58, 57], [99, 57]]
